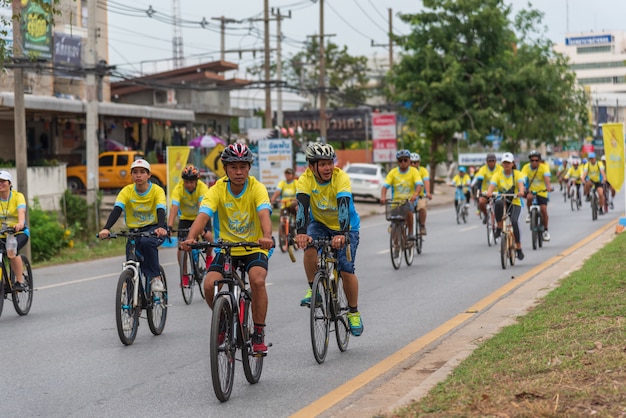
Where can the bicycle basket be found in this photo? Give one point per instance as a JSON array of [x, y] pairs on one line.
[[395, 210]]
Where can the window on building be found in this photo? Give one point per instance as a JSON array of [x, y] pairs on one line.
[[597, 65], [84, 13], [594, 49]]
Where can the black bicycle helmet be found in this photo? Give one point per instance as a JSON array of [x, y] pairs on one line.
[[190, 173], [235, 153], [534, 153], [491, 156], [403, 153], [318, 151]]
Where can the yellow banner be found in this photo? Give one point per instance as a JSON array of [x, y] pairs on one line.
[[613, 134], [213, 161], [176, 161]]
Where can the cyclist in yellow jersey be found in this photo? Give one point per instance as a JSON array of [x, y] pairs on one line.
[[593, 174], [573, 176], [326, 209], [13, 215], [611, 188], [405, 183], [240, 208], [425, 193], [538, 176], [143, 204], [462, 180], [482, 179], [508, 181], [286, 190], [186, 199]]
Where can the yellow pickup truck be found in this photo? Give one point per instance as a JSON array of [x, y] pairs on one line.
[[113, 171]]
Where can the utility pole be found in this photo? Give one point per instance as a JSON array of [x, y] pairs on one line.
[[279, 66], [322, 77], [390, 39], [91, 137], [266, 64], [19, 113], [223, 21]]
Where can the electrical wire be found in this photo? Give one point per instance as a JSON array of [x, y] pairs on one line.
[[369, 17]]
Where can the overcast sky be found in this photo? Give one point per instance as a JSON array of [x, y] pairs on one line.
[[136, 41]]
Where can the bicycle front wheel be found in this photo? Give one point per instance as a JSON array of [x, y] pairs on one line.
[[252, 364], [126, 315], [157, 307], [340, 314], [2, 280], [458, 212], [504, 250], [23, 299], [283, 234], [572, 199], [409, 247], [490, 238], [594, 206], [534, 228], [395, 245], [320, 317], [222, 349], [185, 262]]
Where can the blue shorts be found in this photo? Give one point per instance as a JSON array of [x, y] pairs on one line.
[[318, 230]]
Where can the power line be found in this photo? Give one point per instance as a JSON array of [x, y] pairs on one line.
[[348, 23], [369, 17]]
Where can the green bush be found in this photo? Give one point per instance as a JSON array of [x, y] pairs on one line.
[[76, 212], [47, 236]]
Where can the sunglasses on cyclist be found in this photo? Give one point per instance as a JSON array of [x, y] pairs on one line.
[[403, 160], [534, 160]]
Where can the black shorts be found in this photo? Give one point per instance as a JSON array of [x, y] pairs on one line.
[[186, 224], [247, 261]]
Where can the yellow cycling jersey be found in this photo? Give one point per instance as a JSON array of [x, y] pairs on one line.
[[509, 184], [425, 177], [403, 184], [287, 192], [140, 209], [537, 178], [323, 198], [9, 208], [188, 202], [463, 181], [235, 217], [485, 174], [574, 173], [594, 172]]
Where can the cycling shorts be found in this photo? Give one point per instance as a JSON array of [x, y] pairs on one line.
[[317, 230]]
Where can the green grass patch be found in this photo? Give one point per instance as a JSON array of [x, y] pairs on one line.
[[86, 250], [566, 357]]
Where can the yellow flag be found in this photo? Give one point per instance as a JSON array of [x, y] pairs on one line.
[[176, 161], [213, 161], [613, 134]]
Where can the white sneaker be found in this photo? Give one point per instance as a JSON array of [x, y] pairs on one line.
[[528, 219], [157, 285], [546, 236]]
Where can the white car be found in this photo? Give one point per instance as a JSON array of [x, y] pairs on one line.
[[366, 180]]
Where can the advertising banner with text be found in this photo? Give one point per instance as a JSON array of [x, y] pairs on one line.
[[384, 137]]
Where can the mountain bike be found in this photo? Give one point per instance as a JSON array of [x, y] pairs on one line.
[[193, 266], [22, 298], [134, 293], [287, 227], [536, 223], [574, 196], [232, 325], [462, 212], [399, 243], [329, 303], [507, 240]]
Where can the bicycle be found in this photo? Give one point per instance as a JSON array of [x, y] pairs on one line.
[[287, 227], [328, 300], [536, 223], [595, 205], [461, 205], [193, 266], [232, 325], [134, 293], [395, 212], [491, 223], [507, 240], [417, 227], [574, 196], [22, 298]]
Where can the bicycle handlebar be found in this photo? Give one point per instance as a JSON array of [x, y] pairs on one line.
[[8, 230], [128, 234], [321, 242], [222, 244]]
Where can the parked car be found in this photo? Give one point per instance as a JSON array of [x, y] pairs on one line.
[[366, 180]]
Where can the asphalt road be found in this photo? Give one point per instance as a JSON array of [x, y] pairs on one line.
[[65, 359]]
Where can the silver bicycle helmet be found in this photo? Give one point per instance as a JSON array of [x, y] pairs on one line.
[[318, 151]]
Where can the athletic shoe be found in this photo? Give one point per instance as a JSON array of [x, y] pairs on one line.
[[19, 286], [485, 220], [185, 280], [422, 229], [546, 236], [258, 343], [520, 254], [611, 206], [356, 323], [496, 233], [306, 301], [528, 219], [157, 285], [411, 237]]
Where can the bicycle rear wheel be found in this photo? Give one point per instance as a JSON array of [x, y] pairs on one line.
[[23, 299], [464, 213], [222, 349], [534, 228], [418, 233], [252, 364], [186, 269], [2, 280], [395, 245], [340, 314], [157, 307], [320, 317], [200, 272], [126, 315]]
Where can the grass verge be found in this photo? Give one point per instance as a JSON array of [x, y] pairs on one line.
[[565, 358], [86, 250]]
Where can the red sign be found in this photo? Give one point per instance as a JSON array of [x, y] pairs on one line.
[[384, 137]]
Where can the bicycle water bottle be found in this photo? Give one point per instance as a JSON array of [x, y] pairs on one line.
[[11, 246], [194, 254]]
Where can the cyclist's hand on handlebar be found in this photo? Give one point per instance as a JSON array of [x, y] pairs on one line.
[[302, 240], [160, 232], [104, 234], [185, 245], [18, 227], [266, 243], [338, 242]]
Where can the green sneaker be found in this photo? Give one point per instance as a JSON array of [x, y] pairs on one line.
[[306, 301], [356, 324]]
